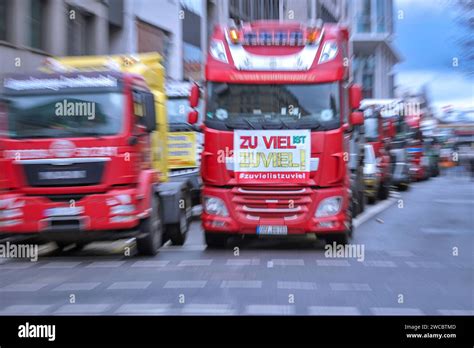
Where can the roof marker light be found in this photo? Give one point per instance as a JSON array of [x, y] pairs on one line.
[[312, 35], [234, 36]]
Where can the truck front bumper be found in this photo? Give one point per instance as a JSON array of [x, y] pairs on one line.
[[293, 207], [117, 210]]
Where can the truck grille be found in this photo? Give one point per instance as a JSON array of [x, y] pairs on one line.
[[75, 174], [258, 203]]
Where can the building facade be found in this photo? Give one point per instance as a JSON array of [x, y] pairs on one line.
[[31, 30], [374, 56]]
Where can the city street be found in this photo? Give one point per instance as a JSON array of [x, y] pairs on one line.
[[418, 260]]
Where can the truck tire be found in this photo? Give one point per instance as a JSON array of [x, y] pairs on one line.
[[215, 240], [153, 229], [179, 231], [371, 200], [384, 190]]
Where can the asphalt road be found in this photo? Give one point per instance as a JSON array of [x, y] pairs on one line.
[[418, 259]]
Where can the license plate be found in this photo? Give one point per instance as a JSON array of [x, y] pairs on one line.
[[63, 211], [272, 230]]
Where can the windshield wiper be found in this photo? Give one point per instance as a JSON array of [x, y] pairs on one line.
[[237, 125]]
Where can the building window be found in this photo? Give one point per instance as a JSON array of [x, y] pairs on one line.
[[151, 38], [382, 16], [80, 35], [363, 16], [37, 8], [3, 20]]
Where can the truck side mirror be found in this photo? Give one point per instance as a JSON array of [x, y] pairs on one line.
[[193, 117], [150, 113], [357, 118], [355, 96], [194, 96]]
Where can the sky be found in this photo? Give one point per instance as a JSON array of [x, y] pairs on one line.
[[425, 36]]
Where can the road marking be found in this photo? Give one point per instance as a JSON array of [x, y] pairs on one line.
[[207, 309], [26, 287], [395, 311], [350, 287], [129, 285], [379, 263], [270, 264], [76, 286], [400, 253], [431, 230], [150, 264], [31, 309], [242, 284], [454, 201], [335, 263], [65, 264], [425, 264], [185, 284], [106, 264], [269, 310], [456, 312], [191, 247], [243, 262], [288, 262], [144, 308], [194, 263], [17, 265], [333, 310], [370, 212], [83, 308], [296, 285]]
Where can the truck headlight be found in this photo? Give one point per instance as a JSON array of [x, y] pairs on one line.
[[10, 213], [215, 206], [217, 50], [329, 206], [122, 209]]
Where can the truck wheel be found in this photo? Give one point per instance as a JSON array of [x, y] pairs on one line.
[[361, 201], [153, 230], [371, 200], [215, 240], [178, 232], [384, 191]]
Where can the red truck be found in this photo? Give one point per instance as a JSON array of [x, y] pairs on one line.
[[278, 121], [379, 132], [82, 155], [416, 154]]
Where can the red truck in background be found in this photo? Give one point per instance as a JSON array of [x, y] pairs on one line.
[[378, 134], [279, 115], [418, 169]]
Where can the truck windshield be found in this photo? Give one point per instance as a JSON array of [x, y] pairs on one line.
[[276, 106], [64, 115], [371, 127], [178, 109]]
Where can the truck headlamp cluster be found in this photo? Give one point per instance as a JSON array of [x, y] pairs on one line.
[[217, 50], [215, 206], [329, 206]]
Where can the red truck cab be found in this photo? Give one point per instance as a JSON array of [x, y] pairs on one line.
[[76, 158], [277, 125]]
